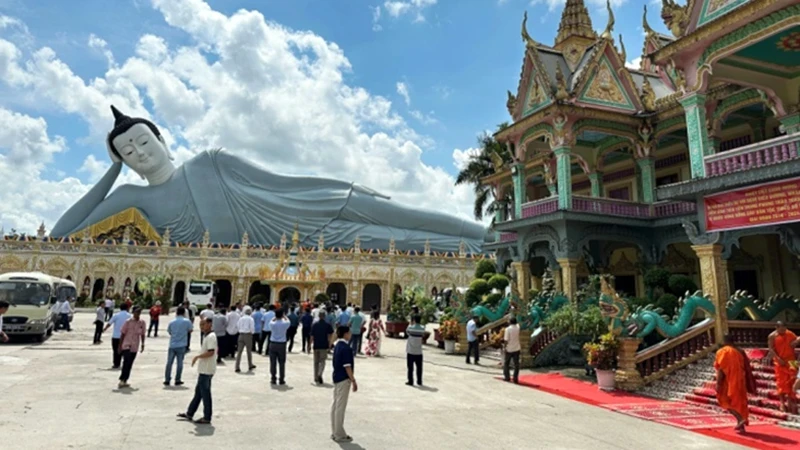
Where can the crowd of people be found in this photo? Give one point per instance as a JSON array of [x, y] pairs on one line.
[[270, 330]]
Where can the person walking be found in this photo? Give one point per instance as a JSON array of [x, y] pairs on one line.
[[117, 321], [294, 322], [109, 307], [178, 331], [3, 310], [472, 340], [343, 380], [131, 334], [191, 310], [734, 382], [220, 325], [100, 315], [277, 346], [782, 343], [512, 349], [206, 313], [64, 310], [205, 372], [155, 313], [306, 321], [246, 328], [376, 330], [321, 332], [355, 323], [258, 325], [265, 328], [415, 333], [232, 332]]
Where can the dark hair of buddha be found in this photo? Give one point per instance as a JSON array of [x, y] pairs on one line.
[[123, 123]]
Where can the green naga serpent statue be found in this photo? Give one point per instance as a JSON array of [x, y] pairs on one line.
[[757, 310]]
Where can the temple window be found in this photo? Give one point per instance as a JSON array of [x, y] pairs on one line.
[[736, 142], [668, 179], [623, 193]]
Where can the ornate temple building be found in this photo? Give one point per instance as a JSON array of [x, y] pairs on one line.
[[110, 257], [689, 162]]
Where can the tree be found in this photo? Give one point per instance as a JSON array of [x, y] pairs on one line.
[[156, 285], [481, 165]]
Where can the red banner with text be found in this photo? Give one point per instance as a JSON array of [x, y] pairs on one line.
[[765, 204]]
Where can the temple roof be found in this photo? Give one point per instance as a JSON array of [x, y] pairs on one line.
[[575, 22]]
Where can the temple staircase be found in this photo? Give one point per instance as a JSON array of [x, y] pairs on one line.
[[696, 383]]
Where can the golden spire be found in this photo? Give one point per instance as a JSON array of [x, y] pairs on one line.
[[608, 33], [296, 234], [529, 42], [646, 26], [575, 22]]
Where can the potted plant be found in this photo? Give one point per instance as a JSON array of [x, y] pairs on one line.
[[397, 318], [602, 356], [449, 331], [427, 311]]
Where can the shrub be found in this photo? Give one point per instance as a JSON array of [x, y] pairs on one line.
[[681, 284], [485, 266], [449, 330], [321, 298], [427, 309], [533, 293], [492, 300], [668, 303], [499, 282], [568, 319], [602, 355], [656, 278], [479, 287]]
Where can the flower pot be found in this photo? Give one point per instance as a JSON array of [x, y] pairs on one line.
[[395, 328], [449, 347], [605, 380], [425, 337]]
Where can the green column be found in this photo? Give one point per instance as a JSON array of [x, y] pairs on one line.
[[694, 106], [563, 177], [518, 177], [758, 131], [647, 172], [498, 218], [791, 123], [596, 178]]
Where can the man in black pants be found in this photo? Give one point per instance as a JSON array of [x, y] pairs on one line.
[[472, 339], [415, 333], [512, 349]]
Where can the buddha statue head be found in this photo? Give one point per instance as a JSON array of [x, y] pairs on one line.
[[138, 143]]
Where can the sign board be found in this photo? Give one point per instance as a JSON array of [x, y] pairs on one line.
[[766, 204]]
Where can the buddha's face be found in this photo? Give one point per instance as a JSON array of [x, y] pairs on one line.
[[141, 149]]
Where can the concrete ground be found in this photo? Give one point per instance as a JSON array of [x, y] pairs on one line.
[[61, 394]]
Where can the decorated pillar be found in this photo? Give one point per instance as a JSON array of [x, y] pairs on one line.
[[791, 123], [694, 106], [714, 280], [462, 345], [596, 179], [518, 178], [563, 176], [647, 172], [569, 276], [523, 274], [525, 357], [627, 377]]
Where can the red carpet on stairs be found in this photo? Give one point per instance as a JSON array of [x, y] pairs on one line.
[[710, 422]]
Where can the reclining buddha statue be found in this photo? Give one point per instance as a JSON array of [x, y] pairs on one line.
[[226, 195]]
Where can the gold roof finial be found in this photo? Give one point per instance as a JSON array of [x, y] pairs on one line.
[[296, 234], [607, 34], [646, 26], [526, 38], [575, 22]]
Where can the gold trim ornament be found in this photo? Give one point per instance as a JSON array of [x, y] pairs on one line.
[[790, 42]]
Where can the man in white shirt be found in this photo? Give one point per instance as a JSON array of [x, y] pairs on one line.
[[206, 313], [64, 310], [277, 347], [232, 332], [266, 320], [472, 340], [206, 370], [350, 309], [246, 328], [109, 305], [512, 348]]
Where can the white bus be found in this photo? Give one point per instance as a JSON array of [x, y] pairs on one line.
[[201, 292], [33, 297]]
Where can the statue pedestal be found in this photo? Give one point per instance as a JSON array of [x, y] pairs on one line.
[[463, 344], [525, 358], [627, 377]]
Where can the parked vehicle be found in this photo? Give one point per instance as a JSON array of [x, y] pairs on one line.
[[201, 292], [33, 297]]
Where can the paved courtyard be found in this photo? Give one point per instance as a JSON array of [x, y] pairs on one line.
[[62, 394]]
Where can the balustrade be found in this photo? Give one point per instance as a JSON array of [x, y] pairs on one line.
[[677, 208], [541, 341], [765, 153], [539, 207], [657, 361], [609, 206], [508, 237]]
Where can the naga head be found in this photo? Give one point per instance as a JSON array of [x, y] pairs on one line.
[[674, 16]]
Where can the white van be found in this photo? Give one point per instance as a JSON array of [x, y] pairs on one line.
[[32, 297], [201, 292]]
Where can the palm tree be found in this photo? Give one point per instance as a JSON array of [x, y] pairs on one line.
[[480, 166]]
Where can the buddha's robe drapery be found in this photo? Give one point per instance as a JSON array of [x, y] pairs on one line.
[[732, 388], [228, 196], [785, 375]]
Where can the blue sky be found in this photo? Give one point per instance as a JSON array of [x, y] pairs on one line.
[[456, 59]]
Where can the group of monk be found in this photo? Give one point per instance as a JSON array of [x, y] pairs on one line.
[[735, 378]]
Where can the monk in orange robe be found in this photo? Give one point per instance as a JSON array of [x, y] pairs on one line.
[[781, 348], [733, 382]]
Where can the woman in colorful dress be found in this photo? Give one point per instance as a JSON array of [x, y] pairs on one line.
[[374, 338]]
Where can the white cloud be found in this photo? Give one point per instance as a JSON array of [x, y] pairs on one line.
[[425, 119], [376, 18], [243, 84], [443, 91], [462, 157], [409, 7], [558, 5], [101, 45], [635, 64], [402, 89]]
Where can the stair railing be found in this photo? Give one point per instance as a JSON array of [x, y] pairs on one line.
[[670, 355], [484, 332], [541, 341], [747, 333]]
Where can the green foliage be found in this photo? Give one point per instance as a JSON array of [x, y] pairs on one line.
[[427, 308], [568, 319], [548, 283], [499, 282], [400, 308], [635, 302], [481, 165], [656, 279], [681, 284], [321, 298], [668, 304], [533, 293], [479, 287], [259, 298], [83, 300], [485, 266], [602, 355], [491, 300], [155, 287]]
